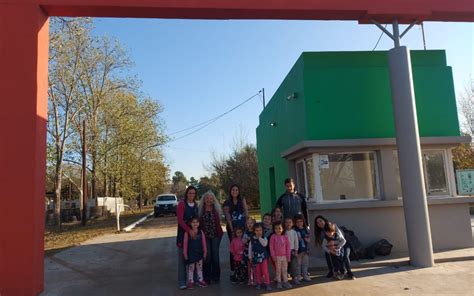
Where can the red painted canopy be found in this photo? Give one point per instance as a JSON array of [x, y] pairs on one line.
[[406, 11]]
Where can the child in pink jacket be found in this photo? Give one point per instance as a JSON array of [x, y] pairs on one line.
[[237, 247], [281, 254]]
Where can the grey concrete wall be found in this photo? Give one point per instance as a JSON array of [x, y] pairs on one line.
[[450, 225]]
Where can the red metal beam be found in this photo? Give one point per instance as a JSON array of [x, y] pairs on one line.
[[358, 10]]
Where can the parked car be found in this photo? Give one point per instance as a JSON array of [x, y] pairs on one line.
[[165, 204]]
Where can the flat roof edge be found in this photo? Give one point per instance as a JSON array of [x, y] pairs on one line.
[[370, 142]]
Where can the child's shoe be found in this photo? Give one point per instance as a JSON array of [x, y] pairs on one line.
[[190, 286], [258, 287], [296, 281], [339, 275], [306, 278], [182, 287], [269, 288], [279, 286], [202, 284], [287, 285]]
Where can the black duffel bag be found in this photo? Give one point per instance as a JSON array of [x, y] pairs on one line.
[[357, 249], [381, 248]]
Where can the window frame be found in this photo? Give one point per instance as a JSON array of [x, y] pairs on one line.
[[448, 172], [318, 196]]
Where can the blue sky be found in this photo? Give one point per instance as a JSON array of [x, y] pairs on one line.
[[199, 69]]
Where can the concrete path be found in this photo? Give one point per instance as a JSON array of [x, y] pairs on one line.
[[143, 262]]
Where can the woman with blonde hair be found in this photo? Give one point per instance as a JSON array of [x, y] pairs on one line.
[[210, 213]]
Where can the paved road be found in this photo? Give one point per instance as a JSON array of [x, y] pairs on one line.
[[143, 262]]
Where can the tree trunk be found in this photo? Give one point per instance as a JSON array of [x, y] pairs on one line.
[[57, 204], [94, 176]]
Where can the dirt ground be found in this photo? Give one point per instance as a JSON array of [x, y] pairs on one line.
[[73, 234]]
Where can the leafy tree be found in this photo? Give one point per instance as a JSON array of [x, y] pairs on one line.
[[463, 155], [179, 183], [241, 168], [210, 183], [193, 182], [88, 80], [68, 43]]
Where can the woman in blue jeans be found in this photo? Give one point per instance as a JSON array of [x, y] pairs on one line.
[[320, 228], [187, 209], [210, 214]]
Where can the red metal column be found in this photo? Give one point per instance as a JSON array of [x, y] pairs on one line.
[[23, 115]]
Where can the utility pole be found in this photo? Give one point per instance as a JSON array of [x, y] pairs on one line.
[[263, 95], [84, 174]]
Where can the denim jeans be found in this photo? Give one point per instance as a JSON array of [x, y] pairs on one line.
[[231, 257], [346, 260], [182, 274], [329, 261], [212, 269]]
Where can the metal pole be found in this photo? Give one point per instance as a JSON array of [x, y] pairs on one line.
[[84, 174], [396, 33], [423, 35], [409, 155], [263, 95]]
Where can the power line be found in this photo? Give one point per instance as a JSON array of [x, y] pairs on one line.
[[208, 122], [186, 149], [380, 37]]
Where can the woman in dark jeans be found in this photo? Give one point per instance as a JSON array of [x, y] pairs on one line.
[[210, 214], [187, 209], [236, 213], [320, 228]]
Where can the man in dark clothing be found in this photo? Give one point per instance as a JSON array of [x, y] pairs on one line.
[[292, 203]]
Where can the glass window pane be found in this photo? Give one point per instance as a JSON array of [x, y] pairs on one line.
[[397, 173], [435, 173], [300, 177], [434, 170], [349, 176]]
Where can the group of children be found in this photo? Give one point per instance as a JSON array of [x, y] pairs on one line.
[[280, 244], [277, 242]]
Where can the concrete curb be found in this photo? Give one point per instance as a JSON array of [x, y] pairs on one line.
[[133, 225]]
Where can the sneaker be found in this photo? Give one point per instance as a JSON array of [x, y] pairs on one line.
[[339, 275], [182, 287], [190, 286], [258, 287], [296, 281], [279, 286], [287, 285], [351, 276], [202, 284], [233, 280], [306, 278], [269, 288]]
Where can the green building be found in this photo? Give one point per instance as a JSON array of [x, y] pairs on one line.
[[330, 126]]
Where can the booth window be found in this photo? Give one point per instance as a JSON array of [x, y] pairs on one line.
[[434, 170], [349, 176], [305, 177]]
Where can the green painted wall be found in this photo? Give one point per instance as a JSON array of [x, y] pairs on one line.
[[346, 95]]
